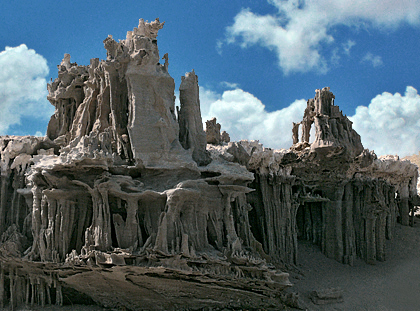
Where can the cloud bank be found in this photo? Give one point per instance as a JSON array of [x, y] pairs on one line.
[[390, 124], [300, 29], [23, 88], [244, 116]]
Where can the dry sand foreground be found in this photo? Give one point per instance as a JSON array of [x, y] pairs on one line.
[[390, 285]]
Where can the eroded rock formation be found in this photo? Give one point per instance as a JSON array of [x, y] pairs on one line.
[[213, 135], [129, 97], [191, 134], [331, 192], [120, 181]]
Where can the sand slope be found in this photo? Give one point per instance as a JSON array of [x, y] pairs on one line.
[[390, 285]]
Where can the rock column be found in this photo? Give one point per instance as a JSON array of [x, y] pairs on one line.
[[191, 133]]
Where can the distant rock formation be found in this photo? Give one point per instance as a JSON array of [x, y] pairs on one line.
[[119, 180], [213, 135], [415, 159], [213, 132], [333, 130], [225, 137]]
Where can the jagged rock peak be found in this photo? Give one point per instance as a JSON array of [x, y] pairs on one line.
[[213, 134], [333, 130], [146, 29], [126, 102]]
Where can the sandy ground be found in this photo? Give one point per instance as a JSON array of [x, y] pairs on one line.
[[390, 285]]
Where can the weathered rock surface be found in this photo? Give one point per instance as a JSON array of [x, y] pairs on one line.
[[128, 97], [346, 204], [121, 190], [191, 134], [213, 135], [327, 296], [334, 131]]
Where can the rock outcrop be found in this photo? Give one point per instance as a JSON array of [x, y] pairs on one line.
[[213, 135], [333, 131], [121, 182], [191, 134], [128, 97], [331, 192]]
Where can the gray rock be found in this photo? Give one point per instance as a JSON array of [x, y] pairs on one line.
[[119, 183]]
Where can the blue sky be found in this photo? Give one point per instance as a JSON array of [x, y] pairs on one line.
[[257, 61]]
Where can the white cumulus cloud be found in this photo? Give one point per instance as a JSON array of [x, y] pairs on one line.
[[23, 88], [391, 123], [300, 29], [244, 116]]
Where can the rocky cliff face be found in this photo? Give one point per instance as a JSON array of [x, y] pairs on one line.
[[120, 180]]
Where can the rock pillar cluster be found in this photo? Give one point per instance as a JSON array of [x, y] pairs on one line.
[[129, 97], [121, 179]]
